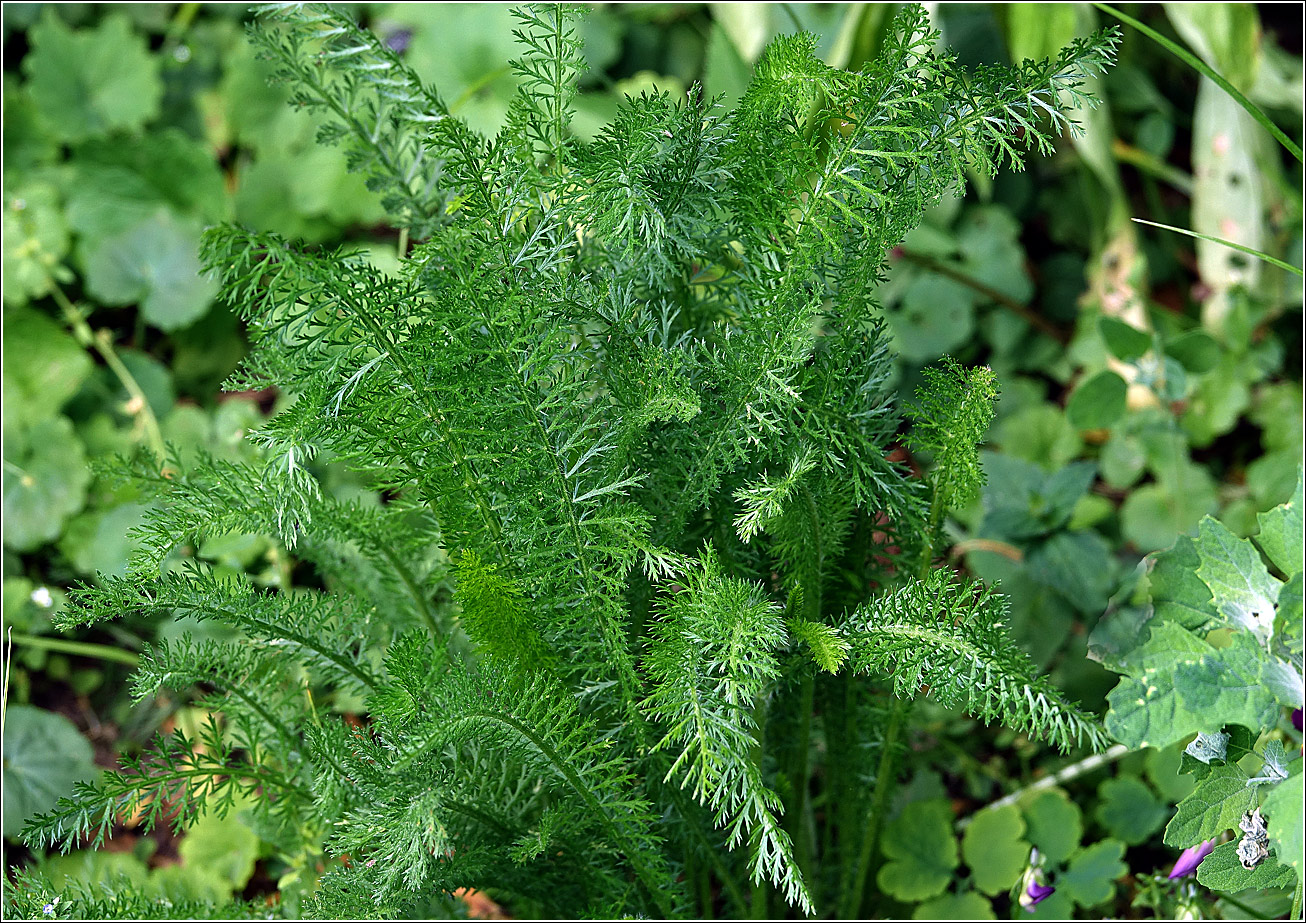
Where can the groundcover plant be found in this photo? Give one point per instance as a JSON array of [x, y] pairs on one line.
[[634, 398]]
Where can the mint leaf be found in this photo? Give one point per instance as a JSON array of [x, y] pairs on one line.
[[1213, 807], [1055, 824], [1283, 807], [1129, 810], [1145, 707], [91, 81], [922, 852], [994, 850], [1242, 589], [1221, 871], [1078, 565], [1281, 532]]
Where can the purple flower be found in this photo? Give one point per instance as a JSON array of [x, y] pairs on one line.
[[1035, 894], [399, 40], [1190, 858], [1296, 717]]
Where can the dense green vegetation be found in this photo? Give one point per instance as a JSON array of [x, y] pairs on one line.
[[531, 361]]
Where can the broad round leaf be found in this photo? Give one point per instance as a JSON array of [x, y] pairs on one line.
[[45, 755], [45, 483], [1098, 401]]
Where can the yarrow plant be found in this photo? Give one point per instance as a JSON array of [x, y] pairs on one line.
[[629, 401]]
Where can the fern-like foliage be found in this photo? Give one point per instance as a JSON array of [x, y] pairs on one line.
[[711, 660], [955, 408], [949, 637], [630, 406]]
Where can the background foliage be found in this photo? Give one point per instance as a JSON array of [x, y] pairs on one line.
[[1147, 380]]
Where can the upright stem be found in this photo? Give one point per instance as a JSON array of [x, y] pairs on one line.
[[103, 344], [885, 774], [757, 905]]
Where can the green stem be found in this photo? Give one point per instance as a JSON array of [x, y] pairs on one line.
[[885, 773], [102, 343], [758, 904], [879, 804], [77, 648]]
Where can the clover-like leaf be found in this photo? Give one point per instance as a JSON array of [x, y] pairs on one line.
[[35, 242], [1129, 810], [964, 906], [45, 483], [43, 367], [154, 263], [45, 755], [994, 849], [1090, 877], [1055, 824], [922, 852]]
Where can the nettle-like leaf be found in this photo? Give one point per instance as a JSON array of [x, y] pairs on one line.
[[1178, 683]]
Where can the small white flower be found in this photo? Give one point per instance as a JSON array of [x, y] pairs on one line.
[[41, 596]]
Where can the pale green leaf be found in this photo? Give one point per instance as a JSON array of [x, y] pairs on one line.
[[1242, 589], [922, 852], [91, 82], [1283, 808], [1129, 810], [994, 850], [1090, 877], [1055, 824], [1281, 532], [45, 755]]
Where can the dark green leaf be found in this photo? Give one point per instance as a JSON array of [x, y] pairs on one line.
[[1125, 341], [1195, 350]]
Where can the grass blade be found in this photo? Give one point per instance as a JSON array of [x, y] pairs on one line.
[[1202, 67], [1260, 255]]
